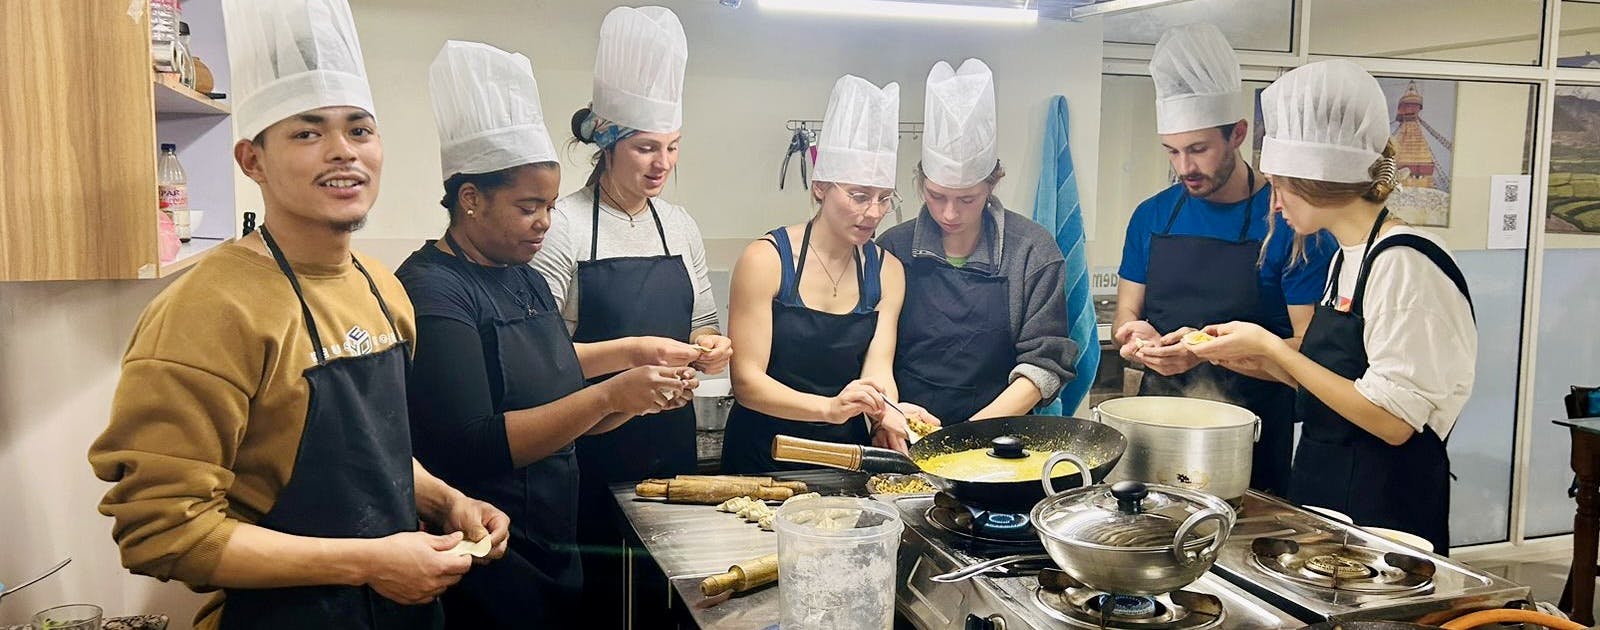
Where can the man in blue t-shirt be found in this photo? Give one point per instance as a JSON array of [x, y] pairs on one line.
[[1194, 252]]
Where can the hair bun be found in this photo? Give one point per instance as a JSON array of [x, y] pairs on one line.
[[579, 118]]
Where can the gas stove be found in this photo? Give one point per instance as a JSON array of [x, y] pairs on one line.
[[941, 535], [1319, 569]]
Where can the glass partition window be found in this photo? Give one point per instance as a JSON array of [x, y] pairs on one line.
[[1579, 43], [1454, 138], [1483, 31], [1262, 25], [1568, 350]]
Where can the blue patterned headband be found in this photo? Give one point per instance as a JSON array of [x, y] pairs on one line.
[[604, 132]]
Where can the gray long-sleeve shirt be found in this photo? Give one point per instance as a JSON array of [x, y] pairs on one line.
[[1013, 246]]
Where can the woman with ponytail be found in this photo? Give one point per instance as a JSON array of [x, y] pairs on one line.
[[621, 263], [1387, 363]]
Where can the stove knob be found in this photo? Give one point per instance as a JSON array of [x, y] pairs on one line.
[[993, 622]]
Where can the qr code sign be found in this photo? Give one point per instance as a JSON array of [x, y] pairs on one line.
[[1512, 192], [1508, 223]]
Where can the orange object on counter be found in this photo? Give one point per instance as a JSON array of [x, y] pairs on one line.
[[1511, 615]]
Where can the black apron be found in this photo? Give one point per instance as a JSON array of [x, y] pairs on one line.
[[1196, 281], [1341, 466], [635, 296], [540, 572], [813, 352], [352, 478], [955, 353]]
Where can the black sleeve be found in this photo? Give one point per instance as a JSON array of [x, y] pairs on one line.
[[454, 429]]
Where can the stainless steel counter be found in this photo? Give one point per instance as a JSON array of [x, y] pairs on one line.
[[690, 542]]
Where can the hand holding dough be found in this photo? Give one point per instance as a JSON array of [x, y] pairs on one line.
[[475, 549]]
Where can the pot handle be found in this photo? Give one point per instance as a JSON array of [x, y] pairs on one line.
[[1096, 413], [1085, 473], [1187, 558], [979, 568]]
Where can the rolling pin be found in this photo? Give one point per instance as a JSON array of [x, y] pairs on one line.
[[710, 492], [799, 487], [742, 577]]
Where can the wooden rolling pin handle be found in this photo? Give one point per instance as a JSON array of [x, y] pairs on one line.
[[742, 577], [801, 451]]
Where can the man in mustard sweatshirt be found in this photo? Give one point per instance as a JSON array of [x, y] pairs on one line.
[[259, 441]]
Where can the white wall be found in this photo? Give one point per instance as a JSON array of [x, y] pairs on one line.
[[749, 71], [61, 344]]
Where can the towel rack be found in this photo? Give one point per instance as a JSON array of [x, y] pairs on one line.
[[913, 129]]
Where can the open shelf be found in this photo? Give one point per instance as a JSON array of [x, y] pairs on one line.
[[190, 253], [173, 98]]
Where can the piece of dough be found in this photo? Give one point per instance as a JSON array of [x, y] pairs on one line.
[[477, 549], [802, 497], [732, 506], [1198, 337]]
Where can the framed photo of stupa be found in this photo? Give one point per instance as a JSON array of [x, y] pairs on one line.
[[1575, 162], [1422, 129]]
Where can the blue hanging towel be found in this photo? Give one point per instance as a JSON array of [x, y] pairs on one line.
[[1056, 207]]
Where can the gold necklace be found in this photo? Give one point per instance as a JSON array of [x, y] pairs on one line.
[[832, 278]]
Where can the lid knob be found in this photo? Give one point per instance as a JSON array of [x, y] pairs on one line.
[[1129, 494], [1007, 447]]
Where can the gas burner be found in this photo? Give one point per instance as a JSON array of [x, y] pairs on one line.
[[1064, 599], [1343, 567], [1127, 606], [991, 527], [1339, 567]]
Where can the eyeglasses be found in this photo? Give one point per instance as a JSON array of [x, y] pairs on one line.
[[860, 201]]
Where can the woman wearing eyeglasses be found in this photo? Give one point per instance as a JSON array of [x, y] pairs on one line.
[[814, 305], [984, 328]]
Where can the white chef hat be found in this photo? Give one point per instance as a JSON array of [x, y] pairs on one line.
[[638, 69], [959, 144], [486, 104], [860, 134], [292, 56], [1197, 79], [1325, 121]]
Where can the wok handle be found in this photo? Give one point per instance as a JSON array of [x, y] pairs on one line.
[[855, 457], [1084, 472], [791, 449], [1187, 558]]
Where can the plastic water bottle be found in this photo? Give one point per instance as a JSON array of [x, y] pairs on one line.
[[164, 42], [174, 186], [164, 17]]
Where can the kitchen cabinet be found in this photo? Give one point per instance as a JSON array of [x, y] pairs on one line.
[[84, 113]]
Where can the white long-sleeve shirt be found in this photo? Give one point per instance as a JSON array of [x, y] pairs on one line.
[[567, 242], [1422, 344]]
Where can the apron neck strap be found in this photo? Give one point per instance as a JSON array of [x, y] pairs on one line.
[[299, 295], [1328, 292], [805, 246], [594, 225], [466, 267]]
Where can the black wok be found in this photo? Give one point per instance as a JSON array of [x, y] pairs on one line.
[[1098, 445]]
